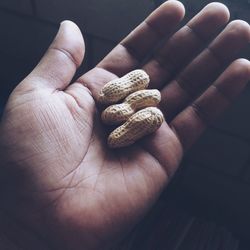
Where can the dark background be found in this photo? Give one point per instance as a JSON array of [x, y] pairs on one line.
[[214, 180]]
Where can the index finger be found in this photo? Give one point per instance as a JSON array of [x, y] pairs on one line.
[[135, 47], [129, 54]]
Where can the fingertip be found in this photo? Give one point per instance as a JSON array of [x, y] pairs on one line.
[[241, 68], [210, 20], [234, 79], [170, 12], [242, 62], [175, 7], [70, 39], [240, 27], [218, 10]]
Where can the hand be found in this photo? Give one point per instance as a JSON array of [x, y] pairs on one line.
[[60, 182]]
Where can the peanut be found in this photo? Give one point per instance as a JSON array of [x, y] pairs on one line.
[[140, 99], [118, 89], [142, 123]]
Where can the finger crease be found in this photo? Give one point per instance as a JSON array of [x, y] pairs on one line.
[[166, 64], [200, 113], [132, 52], [154, 30], [67, 54], [196, 34], [222, 93], [209, 49], [215, 56], [180, 83]]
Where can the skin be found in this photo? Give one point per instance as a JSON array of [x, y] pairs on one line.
[[61, 187]]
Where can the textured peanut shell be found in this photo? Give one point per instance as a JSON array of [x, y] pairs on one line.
[[120, 88], [143, 122], [115, 114]]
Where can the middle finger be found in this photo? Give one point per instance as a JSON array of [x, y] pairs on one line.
[[186, 44]]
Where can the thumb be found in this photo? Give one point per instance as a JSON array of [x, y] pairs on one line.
[[59, 64]]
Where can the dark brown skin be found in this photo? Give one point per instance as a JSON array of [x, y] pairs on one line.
[[60, 183]]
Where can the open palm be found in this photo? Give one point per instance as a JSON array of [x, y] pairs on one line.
[[60, 180]]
